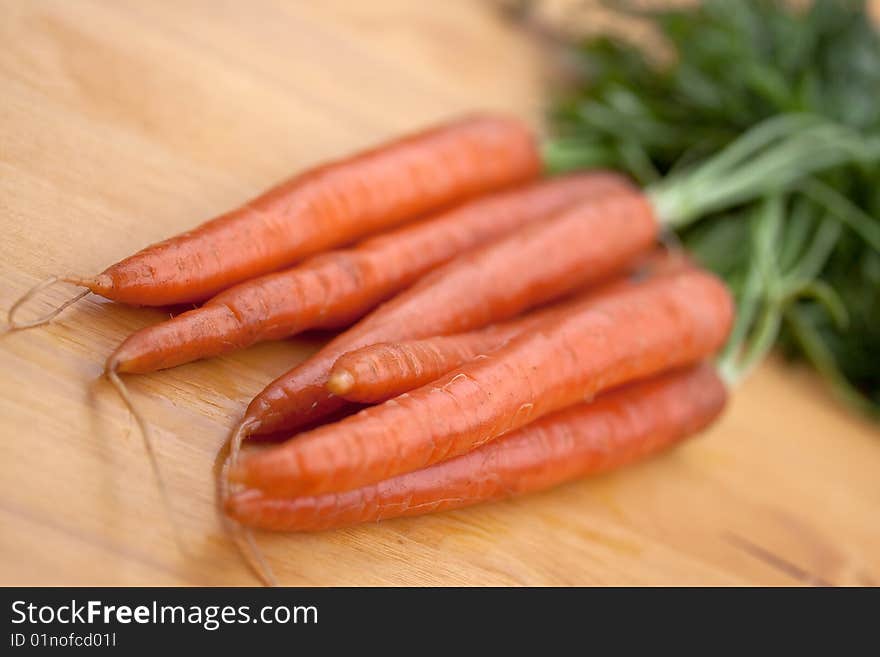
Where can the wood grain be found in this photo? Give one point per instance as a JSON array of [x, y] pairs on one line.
[[123, 122]]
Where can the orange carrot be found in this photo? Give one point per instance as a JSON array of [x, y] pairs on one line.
[[535, 264], [381, 371], [324, 207], [336, 288], [619, 427], [638, 332]]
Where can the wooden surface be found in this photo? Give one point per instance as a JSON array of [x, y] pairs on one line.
[[124, 122]]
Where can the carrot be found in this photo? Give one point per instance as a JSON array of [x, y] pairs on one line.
[[336, 288], [535, 264], [619, 427], [635, 333], [324, 207], [381, 371]]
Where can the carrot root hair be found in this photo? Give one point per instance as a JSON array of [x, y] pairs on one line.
[[13, 325], [117, 383], [242, 537]]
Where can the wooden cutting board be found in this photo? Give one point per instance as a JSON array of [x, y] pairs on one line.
[[124, 122]]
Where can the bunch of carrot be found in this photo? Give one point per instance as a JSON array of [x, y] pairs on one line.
[[505, 333]]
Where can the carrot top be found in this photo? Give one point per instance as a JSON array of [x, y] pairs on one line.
[[759, 142]]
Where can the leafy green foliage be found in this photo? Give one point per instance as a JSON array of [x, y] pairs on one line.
[[801, 250]]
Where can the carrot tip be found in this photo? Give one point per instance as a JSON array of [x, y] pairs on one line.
[[112, 364], [340, 382], [101, 282]]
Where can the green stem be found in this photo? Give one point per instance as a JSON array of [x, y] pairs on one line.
[[840, 207], [768, 157], [754, 140], [766, 332], [817, 254], [742, 351], [824, 294]]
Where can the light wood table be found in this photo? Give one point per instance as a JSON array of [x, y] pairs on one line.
[[123, 122]]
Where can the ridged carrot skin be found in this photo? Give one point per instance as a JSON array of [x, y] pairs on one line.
[[325, 207], [619, 427], [339, 287], [537, 263], [636, 333], [381, 371]]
